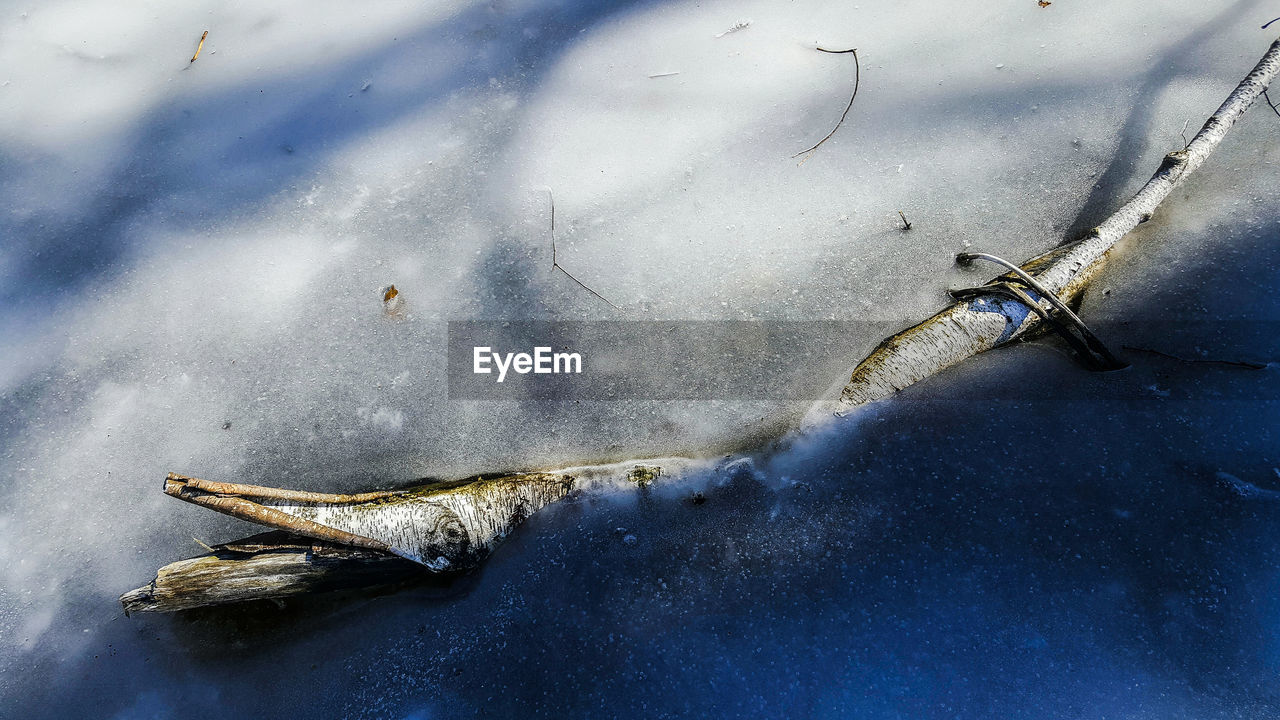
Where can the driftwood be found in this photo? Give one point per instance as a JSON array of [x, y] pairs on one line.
[[269, 566], [334, 541]]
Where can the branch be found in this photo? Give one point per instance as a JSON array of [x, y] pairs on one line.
[[442, 526], [268, 566], [354, 540], [327, 542], [977, 324]]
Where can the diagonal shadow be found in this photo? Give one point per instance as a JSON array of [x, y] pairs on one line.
[[1130, 154], [200, 160]]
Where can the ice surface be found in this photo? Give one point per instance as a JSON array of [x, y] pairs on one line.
[[191, 259]]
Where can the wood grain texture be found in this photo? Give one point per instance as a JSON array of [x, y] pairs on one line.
[[270, 566]]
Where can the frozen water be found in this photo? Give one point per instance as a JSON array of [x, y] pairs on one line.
[[187, 245]]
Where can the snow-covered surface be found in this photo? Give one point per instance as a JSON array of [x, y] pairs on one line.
[[186, 246]]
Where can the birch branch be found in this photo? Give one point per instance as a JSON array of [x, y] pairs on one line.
[[325, 542], [972, 326], [372, 538]]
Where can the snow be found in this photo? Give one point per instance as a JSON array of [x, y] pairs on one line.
[[187, 245]]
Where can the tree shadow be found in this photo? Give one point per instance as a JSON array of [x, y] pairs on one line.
[[200, 160], [1113, 186]]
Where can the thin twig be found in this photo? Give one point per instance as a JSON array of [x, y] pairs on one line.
[[857, 79], [1264, 27], [200, 46], [557, 266], [1232, 363], [1109, 361], [1268, 99], [905, 225]]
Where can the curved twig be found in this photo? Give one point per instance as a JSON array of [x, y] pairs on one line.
[[1090, 339], [857, 79]]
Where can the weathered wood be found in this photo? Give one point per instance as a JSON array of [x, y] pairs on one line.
[[258, 491], [269, 566]]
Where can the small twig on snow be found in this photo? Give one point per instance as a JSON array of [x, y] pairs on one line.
[[905, 225], [557, 266], [857, 79], [1204, 361], [200, 46], [1267, 97]]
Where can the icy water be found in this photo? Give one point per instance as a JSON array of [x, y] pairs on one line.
[[1019, 538], [972, 552], [191, 271]]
